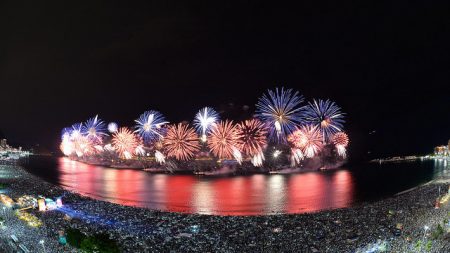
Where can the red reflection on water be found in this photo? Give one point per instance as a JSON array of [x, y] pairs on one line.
[[179, 193], [243, 195], [342, 189], [119, 186], [234, 197], [313, 191]]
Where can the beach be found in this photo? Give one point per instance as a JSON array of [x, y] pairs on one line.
[[354, 229]]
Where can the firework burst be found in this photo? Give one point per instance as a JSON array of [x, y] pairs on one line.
[[125, 142], [204, 120], [76, 133], [94, 129], [75, 142], [340, 140], [159, 157], [140, 151], [66, 144], [280, 110], [308, 139], [297, 156], [258, 159], [222, 139], [112, 127], [83, 146], [181, 142], [326, 116], [237, 155], [65, 133], [150, 126], [251, 137]]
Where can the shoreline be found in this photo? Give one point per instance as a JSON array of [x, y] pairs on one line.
[[233, 170], [336, 230]]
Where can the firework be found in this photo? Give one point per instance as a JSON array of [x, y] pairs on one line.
[[150, 126], [99, 148], [159, 157], [76, 131], [340, 140], [94, 129], [280, 110], [65, 133], [222, 139], [181, 142], [251, 137], [204, 120], [308, 139], [258, 159], [326, 116], [82, 146], [277, 153], [296, 157], [237, 155], [66, 144], [140, 151], [79, 144], [112, 127], [108, 147], [125, 142]]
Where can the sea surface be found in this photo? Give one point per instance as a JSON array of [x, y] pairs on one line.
[[238, 195]]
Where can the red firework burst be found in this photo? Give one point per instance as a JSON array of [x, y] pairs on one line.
[[181, 142], [308, 139], [222, 139], [125, 142], [340, 139], [251, 137], [83, 146]]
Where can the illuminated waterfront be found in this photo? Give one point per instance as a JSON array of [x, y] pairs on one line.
[[239, 195]]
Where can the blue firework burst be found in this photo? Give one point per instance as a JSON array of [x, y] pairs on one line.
[[281, 110], [76, 130], [66, 132], [150, 126], [94, 129], [326, 116]]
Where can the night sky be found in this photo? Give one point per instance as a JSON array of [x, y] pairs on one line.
[[386, 65]]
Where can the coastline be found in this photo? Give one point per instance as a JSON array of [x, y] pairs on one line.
[[206, 168], [338, 230]]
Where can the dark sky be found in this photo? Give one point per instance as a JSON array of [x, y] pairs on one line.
[[386, 65]]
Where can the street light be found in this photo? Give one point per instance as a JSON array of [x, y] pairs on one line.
[[41, 242]]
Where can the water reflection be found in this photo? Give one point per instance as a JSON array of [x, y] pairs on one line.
[[243, 195]]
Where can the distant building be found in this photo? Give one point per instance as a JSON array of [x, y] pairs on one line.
[[441, 150]]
